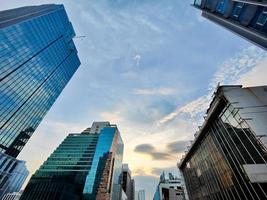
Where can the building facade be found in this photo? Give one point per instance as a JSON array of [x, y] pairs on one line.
[[140, 195], [127, 182], [37, 59], [84, 166], [169, 188], [246, 18], [13, 173], [227, 159], [12, 196]]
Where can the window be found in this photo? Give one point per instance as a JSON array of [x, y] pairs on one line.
[[197, 2], [262, 18], [238, 9], [221, 6]]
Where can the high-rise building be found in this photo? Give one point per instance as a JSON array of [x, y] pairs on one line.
[[37, 59], [140, 195], [227, 158], [12, 196], [127, 182], [13, 173], [84, 166], [169, 187], [246, 18]]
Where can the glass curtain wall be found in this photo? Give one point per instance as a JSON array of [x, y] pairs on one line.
[[215, 170]]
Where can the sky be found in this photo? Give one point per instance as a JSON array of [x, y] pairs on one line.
[[149, 66]]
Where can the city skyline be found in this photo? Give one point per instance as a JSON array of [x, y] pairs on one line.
[[137, 62]]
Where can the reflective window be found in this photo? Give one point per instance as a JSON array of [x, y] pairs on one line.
[[262, 19]]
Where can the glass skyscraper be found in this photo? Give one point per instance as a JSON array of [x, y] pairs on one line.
[[228, 157], [84, 166], [247, 18], [13, 173], [37, 59]]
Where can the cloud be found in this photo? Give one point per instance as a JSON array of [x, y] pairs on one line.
[[113, 117], [155, 91], [144, 148], [151, 151], [235, 67], [255, 77], [193, 108], [241, 65], [161, 156], [177, 146], [137, 58]]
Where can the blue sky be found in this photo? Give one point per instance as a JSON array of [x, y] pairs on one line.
[[149, 66]]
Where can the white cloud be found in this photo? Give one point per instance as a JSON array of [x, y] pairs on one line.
[[193, 108], [241, 63], [155, 91], [113, 117], [137, 58], [255, 77], [247, 67]]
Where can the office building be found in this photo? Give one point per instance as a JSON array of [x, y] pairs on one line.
[[169, 187], [246, 18], [37, 59], [227, 158], [12, 196], [84, 166], [13, 173], [140, 195], [127, 182]]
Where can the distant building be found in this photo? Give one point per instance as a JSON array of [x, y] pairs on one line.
[[123, 195], [246, 18], [140, 195], [13, 173], [127, 182], [169, 188], [12, 196], [37, 59], [227, 159], [84, 166]]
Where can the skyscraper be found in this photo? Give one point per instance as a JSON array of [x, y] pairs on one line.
[[37, 59], [84, 166], [127, 182], [140, 195], [169, 187], [228, 157], [13, 173], [12, 196], [246, 18]]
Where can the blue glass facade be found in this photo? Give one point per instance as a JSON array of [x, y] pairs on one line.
[[37, 59], [245, 18], [109, 142], [84, 166], [13, 173]]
